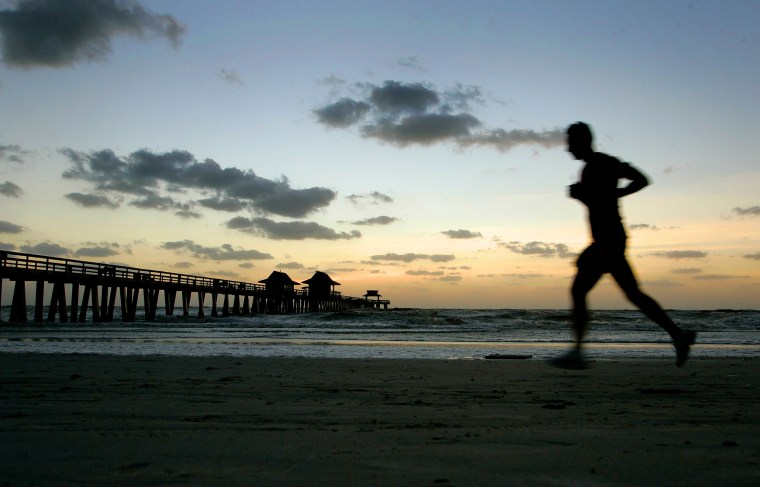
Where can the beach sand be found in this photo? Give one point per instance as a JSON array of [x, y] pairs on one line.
[[105, 420]]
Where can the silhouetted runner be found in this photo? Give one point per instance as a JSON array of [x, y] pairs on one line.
[[598, 190]]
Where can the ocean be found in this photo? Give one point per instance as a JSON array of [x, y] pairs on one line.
[[395, 333]]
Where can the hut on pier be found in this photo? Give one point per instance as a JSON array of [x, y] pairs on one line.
[[377, 303], [321, 290], [279, 283]]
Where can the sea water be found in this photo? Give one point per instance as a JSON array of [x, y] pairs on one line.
[[394, 333]]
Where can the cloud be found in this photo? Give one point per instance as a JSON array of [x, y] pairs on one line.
[[643, 226], [410, 62], [691, 270], [424, 273], [55, 33], [225, 252], [7, 246], [462, 234], [187, 214], [46, 248], [451, 279], [755, 256], [410, 257], [230, 76], [751, 211], [184, 265], [96, 252], [718, 277], [8, 227], [682, 254], [12, 153], [145, 174], [297, 230], [373, 198], [423, 129], [343, 113], [540, 249], [523, 276], [378, 220], [92, 200], [290, 266], [11, 190], [223, 204], [395, 97], [416, 114]]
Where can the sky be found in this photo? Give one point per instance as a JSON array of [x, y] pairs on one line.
[[416, 148]]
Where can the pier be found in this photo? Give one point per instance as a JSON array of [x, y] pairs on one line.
[[79, 287]]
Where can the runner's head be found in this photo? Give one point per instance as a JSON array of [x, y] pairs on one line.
[[579, 140]]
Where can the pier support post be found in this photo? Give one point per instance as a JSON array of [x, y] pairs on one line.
[[18, 305], [201, 300], [39, 300], [74, 313]]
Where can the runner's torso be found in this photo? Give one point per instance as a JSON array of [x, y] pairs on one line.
[[599, 180]]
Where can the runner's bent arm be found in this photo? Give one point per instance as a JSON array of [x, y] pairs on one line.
[[638, 180]]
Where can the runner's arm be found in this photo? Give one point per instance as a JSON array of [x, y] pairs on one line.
[[638, 180]]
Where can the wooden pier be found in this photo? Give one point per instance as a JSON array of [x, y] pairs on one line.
[[79, 287]]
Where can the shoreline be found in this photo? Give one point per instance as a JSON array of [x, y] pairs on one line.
[[151, 420]]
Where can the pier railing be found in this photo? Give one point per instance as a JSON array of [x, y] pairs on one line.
[[100, 284]]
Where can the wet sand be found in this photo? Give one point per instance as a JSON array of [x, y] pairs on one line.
[[96, 420]]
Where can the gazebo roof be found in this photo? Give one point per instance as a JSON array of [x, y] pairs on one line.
[[277, 277], [320, 277]]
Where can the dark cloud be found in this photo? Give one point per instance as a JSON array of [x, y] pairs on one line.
[[96, 252], [298, 230], [423, 129], [187, 214], [691, 270], [46, 248], [395, 97], [751, 211], [643, 226], [718, 277], [11, 190], [378, 220], [462, 234], [412, 113], [682, 254], [7, 246], [539, 249], [373, 198], [225, 252], [144, 174], [92, 200], [8, 227], [223, 204], [56, 33], [755, 256], [12, 153], [505, 140], [451, 279], [290, 266], [153, 201], [410, 257], [343, 113], [424, 273], [183, 265]]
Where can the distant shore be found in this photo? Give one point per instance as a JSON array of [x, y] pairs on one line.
[[139, 420]]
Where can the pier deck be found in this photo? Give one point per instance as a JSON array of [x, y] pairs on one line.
[[79, 287]]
